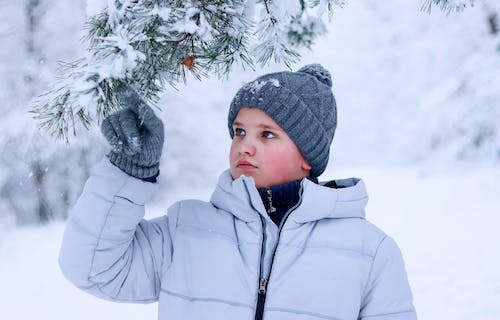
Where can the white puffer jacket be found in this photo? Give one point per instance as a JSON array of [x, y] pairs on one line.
[[207, 260]]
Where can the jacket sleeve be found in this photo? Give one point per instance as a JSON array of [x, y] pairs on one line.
[[108, 250], [387, 295]]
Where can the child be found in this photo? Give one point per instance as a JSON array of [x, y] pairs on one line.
[[272, 243]]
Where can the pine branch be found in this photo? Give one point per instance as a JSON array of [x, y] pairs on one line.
[[153, 43], [447, 6]]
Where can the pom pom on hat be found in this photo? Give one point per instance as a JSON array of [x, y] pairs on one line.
[[317, 71]]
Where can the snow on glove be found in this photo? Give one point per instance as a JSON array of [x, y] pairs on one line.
[[136, 136]]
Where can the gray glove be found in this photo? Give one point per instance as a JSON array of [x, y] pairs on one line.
[[136, 136]]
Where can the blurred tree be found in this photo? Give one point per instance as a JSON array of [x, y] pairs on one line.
[[33, 14], [493, 22], [466, 104], [38, 178], [491, 8]]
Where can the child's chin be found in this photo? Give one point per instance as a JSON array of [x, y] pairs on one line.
[[236, 173], [248, 171]]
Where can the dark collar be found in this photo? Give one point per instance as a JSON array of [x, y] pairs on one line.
[[280, 198]]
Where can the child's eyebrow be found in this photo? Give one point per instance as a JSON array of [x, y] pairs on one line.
[[261, 125]]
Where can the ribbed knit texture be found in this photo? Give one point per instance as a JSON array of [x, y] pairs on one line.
[[284, 197], [136, 136], [302, 103]]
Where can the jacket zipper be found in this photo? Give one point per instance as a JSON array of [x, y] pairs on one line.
[[270, 200], [261, 296], [263, 281]]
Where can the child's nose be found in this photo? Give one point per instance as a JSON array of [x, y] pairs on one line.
[[247, 147]]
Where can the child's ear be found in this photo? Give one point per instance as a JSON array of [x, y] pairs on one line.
[[306, 166]]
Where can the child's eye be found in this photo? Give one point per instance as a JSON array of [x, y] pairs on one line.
[[268, 135], [239, 132]]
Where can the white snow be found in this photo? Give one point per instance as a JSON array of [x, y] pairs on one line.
[[403, 79], [282, 10], [162, 12], [95, 6], [256, 85]]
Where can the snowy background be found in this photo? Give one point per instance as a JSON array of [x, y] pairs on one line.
[[418, 98]]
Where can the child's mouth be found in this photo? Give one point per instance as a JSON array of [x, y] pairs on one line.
[[243, 164], [246, 166]]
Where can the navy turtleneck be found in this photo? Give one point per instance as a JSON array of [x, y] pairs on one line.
[[281, 198]]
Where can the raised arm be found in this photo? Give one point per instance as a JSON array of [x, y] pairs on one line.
[[108, 249]]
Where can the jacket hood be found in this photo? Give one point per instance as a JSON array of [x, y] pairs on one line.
[[344, 198]]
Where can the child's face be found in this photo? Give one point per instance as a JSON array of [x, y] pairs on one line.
[[263, 150]]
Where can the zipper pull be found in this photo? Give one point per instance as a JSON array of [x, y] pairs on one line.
[[270, 200], [262, 286]]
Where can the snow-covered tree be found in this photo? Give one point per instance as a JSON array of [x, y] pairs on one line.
[[151, 43], [466, 106], [39, 178]]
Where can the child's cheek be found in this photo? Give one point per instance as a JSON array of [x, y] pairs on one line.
[[278, 165]]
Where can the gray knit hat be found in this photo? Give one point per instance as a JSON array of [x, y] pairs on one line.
[[301, 102]]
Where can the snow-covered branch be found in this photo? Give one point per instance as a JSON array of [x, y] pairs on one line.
[[447, 5], [151, 43]]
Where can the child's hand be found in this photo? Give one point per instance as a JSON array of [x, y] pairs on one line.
[[136, 136]]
